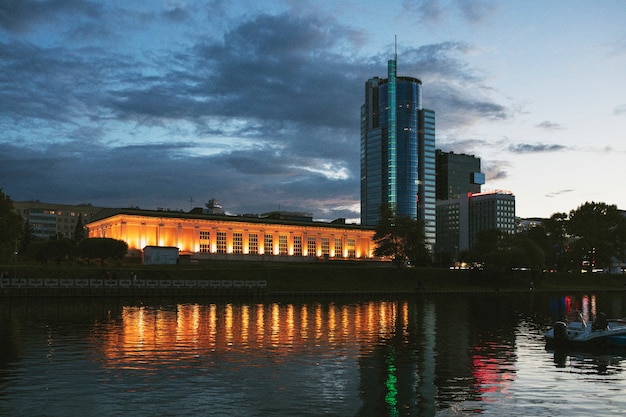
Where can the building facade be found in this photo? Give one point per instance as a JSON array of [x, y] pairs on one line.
[[233, 237], [50, 220], [397, 151], [460, 220], [491, 210], [457, 175]]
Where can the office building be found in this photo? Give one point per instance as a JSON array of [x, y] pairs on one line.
[[457, 175], [491, 210], [460, 220], [397, 151], [54, 220]]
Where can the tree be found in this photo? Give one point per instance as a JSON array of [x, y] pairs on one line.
[[10, 228], [60, 249], [501, 252], [551, 237], [28, 237], [400, 238], [79, 231], [597, 230], [103, 249]]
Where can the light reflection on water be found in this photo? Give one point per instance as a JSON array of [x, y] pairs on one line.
[[427, 356]]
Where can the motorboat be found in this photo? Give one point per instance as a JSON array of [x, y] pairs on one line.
[[601, 332]]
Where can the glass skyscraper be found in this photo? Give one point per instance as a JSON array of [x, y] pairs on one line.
[[397, 151]]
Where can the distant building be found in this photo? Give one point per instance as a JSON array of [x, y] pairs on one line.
[[460, 220], [457, 175], [524, 225], [49, 220], [214, 207], [491, 210], [397, 151], [204, 236]]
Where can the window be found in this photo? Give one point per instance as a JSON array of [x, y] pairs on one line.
[[351, 248], [221, 242], [311, 246], [338, 248], [297, 245], [205, 241], [282, 245], [268, 243], [253, 244], [325, 246], [237, 242]]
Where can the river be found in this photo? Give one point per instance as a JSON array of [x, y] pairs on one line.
[[428, 355]]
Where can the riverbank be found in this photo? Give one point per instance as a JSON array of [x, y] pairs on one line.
[[265, 278]]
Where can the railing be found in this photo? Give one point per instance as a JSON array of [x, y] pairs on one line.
[[7, 285]]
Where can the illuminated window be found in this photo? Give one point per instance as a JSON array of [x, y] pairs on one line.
[[253, 244], [282, 245], [205, 235], [237, 242], [297, 245], [205, 248], [221, 242], [311, 246], [268, 243], [338, 248], [351, 248], [325, 246]]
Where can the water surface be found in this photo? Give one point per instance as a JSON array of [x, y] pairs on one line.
[[443, 355]]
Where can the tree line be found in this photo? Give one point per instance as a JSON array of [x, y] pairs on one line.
[[590, 237]]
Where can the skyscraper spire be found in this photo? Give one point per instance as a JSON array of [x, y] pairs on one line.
[[395, 49]]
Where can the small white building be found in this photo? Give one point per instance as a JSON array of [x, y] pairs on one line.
[[160, 255]]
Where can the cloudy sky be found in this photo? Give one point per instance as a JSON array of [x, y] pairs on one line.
[[168, 103]]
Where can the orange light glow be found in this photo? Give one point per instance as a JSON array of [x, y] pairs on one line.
[[139, 231], [166, 336]]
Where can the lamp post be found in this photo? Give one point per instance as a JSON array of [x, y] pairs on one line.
[[15, 261]]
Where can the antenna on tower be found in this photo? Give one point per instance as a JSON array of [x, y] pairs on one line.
[[395, 51]]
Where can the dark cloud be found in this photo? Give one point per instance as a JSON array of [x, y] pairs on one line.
[[437, 11], [476, 10], [468, 146], [495, 170], [54, 84], [558, 193], [177, 14], [267, 114], [428, 10], [546, 124], [23, 15], [535, 148]]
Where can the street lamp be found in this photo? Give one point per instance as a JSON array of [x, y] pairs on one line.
[[15, 261]]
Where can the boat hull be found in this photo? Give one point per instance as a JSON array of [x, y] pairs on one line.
[[579, 334]]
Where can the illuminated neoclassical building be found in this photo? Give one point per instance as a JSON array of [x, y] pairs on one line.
[[209, 236]]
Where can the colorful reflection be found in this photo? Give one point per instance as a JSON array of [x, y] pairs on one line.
[[564, 307], [396, 349], [493, 371]]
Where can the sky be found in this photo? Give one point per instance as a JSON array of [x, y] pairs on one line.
[[170, 103]]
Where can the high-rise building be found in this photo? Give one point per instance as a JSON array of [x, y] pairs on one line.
[[397, 151], [457, 175]]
